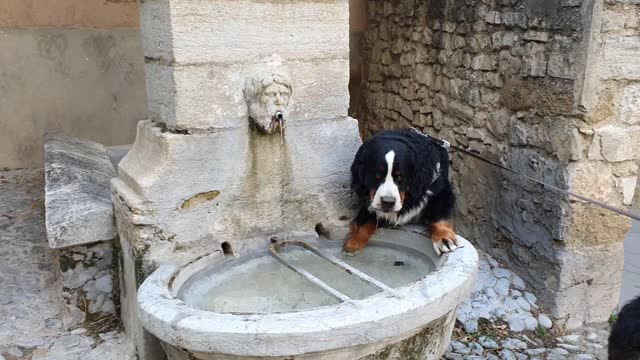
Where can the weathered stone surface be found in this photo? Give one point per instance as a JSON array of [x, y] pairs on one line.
[[196, 65], [595, 271], [35, 320], [77, 197], [535, 62], [567, 144], [620, 57], [533, 35], [241, 154], [619, 143], [87, 279], [562, 59], [591, 179], [628, 185], [227, 31], [483, 62], [211, 95], [629, 110]]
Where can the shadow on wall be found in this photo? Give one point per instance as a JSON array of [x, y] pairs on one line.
[[358, 26]]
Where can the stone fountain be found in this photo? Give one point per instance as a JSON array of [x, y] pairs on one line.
[[248, 138]]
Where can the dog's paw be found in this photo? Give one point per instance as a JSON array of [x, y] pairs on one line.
[[353, 246], [359, 237], [443, 237], [349, 254], [445, 245]]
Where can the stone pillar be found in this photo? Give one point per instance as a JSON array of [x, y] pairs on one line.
[[200, 176], [546, 89]]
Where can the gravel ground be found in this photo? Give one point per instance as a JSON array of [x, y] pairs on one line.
[[31, 306], [502, 320]]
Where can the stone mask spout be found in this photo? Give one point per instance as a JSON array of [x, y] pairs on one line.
[[267, 94]]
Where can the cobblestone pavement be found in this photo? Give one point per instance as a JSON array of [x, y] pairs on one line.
[[502, 320], [31, 307]]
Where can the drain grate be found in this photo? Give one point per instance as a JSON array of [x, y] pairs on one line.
[[278, 245]]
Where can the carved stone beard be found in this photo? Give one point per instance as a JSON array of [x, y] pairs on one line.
[[263, 117]]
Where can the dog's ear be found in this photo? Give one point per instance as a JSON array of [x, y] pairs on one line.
[[358, 172]]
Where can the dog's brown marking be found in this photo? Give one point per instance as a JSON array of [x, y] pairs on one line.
[[403, 195], [359, 236], [443, 231]]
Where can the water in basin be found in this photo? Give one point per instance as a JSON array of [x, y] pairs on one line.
[[263, 285]]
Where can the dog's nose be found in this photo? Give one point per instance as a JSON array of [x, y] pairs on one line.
[[387, 202]]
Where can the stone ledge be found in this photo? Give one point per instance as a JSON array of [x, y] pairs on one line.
[[77, 193]]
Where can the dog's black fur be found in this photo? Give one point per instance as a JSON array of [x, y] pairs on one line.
[[624, 340], [416, 159]]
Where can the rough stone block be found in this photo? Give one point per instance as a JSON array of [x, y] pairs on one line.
[[77, 197], [562, 59], [570, 3], [512, 19], [620, 57], [588, 278], [535, 62], [612, 21], [629, 110], [211, 95], [619, 143], [567, 144], [87, 279], [483, 62], [628, 184], [232, 31], [539, 36], [623, 1], [592, 179], [308, 175]]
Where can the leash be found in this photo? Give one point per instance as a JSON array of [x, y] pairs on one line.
[[447, 145]]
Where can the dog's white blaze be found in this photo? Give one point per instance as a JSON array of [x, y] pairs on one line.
[[395, 220], [388, 187]]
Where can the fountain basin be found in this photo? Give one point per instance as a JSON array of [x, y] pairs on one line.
[[413, 321]]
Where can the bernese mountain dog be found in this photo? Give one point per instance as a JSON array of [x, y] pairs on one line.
[[401, 176], [624, 340]]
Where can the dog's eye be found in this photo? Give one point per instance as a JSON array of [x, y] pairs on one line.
[[378, 177]]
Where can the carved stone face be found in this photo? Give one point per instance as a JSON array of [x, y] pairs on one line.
[[268, 101]]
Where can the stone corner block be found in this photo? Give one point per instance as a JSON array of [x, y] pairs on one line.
[[77, 191], [596, 271]]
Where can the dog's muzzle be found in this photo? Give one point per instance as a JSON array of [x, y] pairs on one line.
[[387, 203]]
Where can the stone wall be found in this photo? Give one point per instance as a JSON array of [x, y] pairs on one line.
[[527, 84], [76, 66]]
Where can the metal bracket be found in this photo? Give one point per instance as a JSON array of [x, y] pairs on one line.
[[277, 245]]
